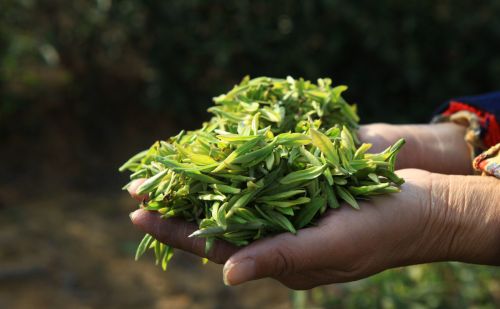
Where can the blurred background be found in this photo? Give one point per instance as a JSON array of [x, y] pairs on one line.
[[85, 84]]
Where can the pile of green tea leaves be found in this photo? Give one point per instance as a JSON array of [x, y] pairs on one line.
[[276, 154]]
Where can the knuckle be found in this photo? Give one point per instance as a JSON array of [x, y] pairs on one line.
[[217, 254], [284, 261]]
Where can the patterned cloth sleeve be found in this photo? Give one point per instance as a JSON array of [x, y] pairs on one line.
[[489, 162], [481, 115]]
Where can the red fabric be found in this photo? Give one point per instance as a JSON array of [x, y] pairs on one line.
[[487, 120], [482, 164]]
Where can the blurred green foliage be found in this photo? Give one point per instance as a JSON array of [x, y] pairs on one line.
[[440, 285], [400, 58], [81, 59], [90, 68]]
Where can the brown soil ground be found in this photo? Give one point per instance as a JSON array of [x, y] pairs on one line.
[[75, 250]]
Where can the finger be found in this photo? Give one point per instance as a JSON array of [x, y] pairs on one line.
[[132, 189], [271, 257], [380, 135], [434, 147], [175, 232], [286, 254], [411, 174], [339, 241]]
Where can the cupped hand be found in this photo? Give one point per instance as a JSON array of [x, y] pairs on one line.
[[435, 218], [175, 231]]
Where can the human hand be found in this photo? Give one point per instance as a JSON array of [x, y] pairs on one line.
[[439, 148], [175, 231], [435, 218]]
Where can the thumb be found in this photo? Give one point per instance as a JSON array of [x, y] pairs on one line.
[[276, 256], [341, 240], [270, 257]]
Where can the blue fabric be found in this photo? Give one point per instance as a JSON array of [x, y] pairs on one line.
[[489, 102]]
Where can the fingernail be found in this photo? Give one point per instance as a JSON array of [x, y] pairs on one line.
[[132, 215], [239, 272]]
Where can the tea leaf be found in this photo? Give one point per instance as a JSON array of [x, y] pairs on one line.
[[280, 220], [285, 210], [202, 177], [132, 161], [362, 150], [255, 157], [225, 188], [220, 217], [306, 174], [240, 202], [364, 190], [151, 183], [255, 123], [373, 177], [293, 139], [235, 138], [347, 141], [325, 145], [307, 213], [209, 243], [330, 197], [391, 176], [167, 255], [212, 197], [300, 200], [270, 161], [238, 152], [196, 158], [280, 196], [143, 246], [346, 196], [217, 230]]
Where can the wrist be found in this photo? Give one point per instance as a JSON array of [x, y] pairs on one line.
[[477, 219], [463, 220]]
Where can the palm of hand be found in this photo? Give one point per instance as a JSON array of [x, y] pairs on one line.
[[345, 245]]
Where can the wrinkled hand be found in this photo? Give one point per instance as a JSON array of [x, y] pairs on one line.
[[435, 218]]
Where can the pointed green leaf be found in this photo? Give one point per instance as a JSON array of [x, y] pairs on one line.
[[330, 197], [281, 196], [281, 220], [132, 161], [255, 157], [226, 189], [151, 183], [326, 146], [246, 147], [347, 196], [293, 139], [143, 246], [362, 150], [300, 200], [168, 253], [364, 190], [301, 175], [307, 212]]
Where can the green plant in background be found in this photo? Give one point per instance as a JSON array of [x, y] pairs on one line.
[[439, 285], [380, 49], [276, 154]]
